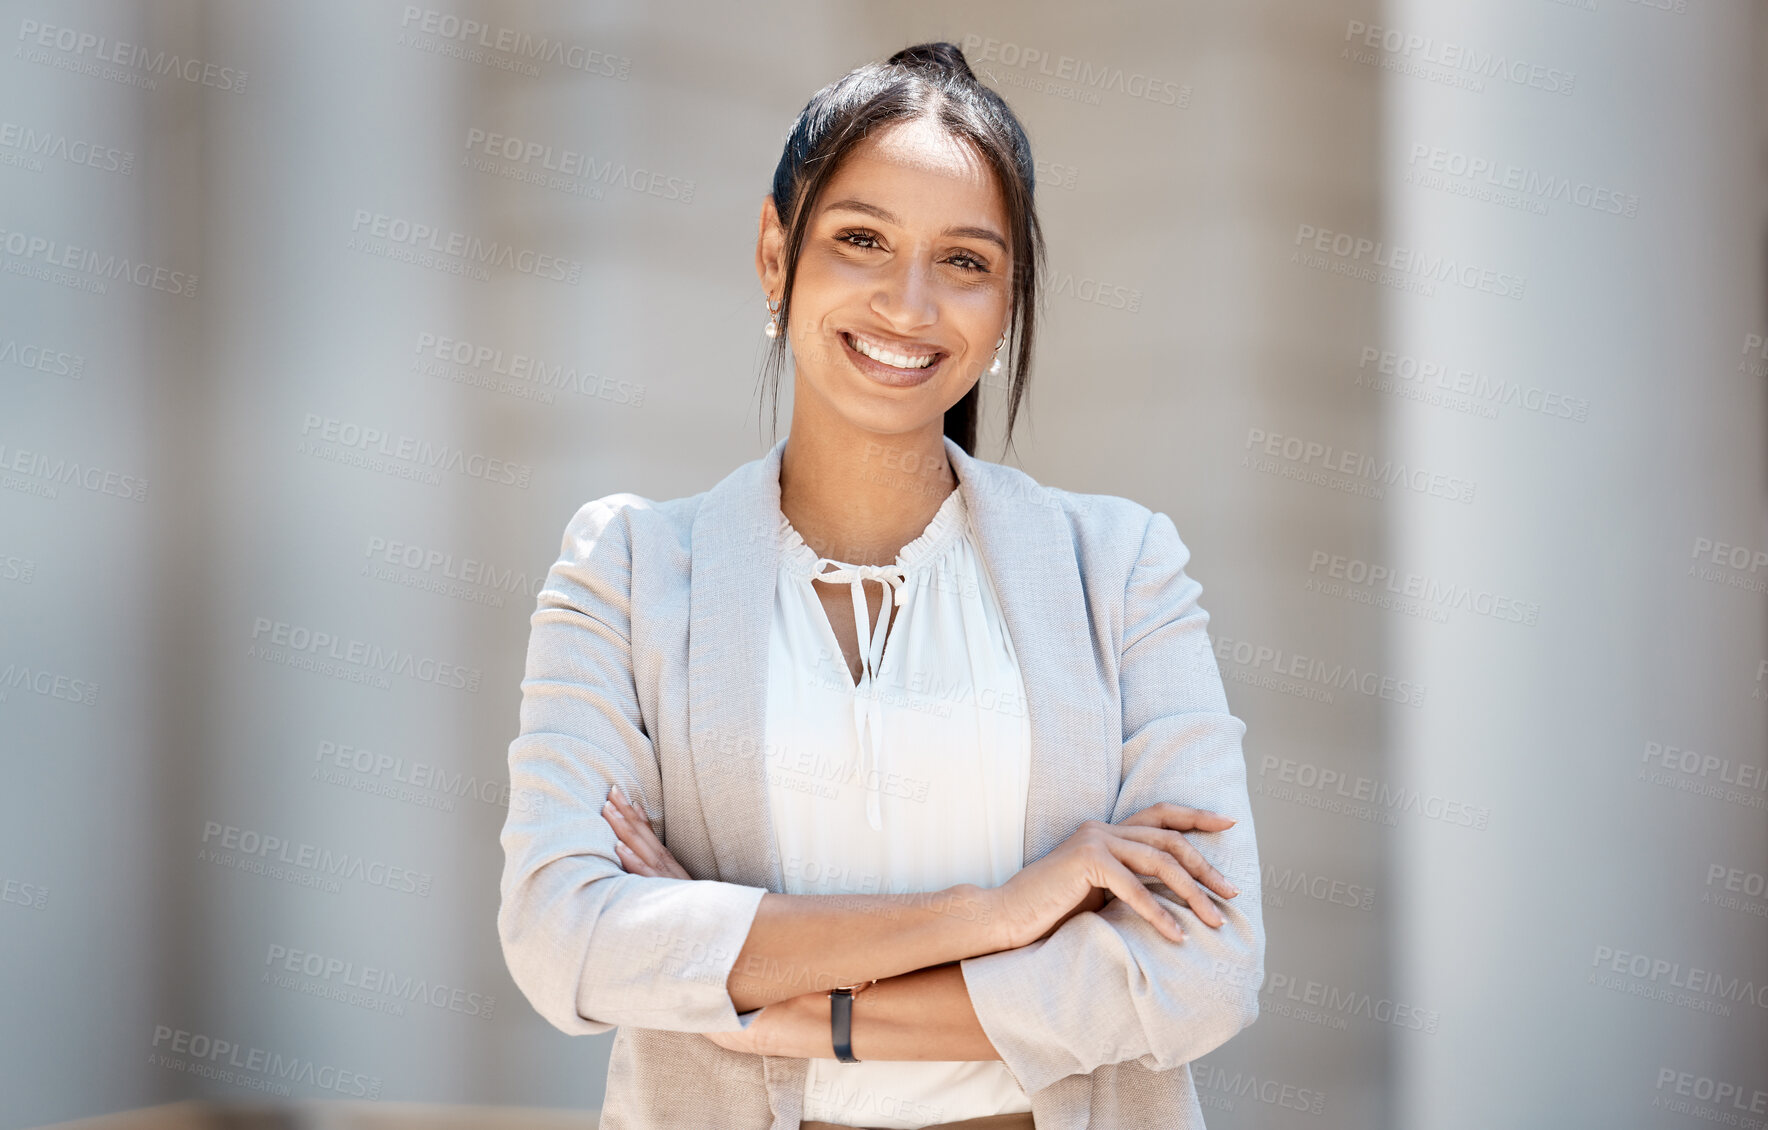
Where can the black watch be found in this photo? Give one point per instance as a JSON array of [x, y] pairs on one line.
[[841, 1020]]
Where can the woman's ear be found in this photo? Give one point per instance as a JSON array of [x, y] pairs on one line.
[[770, 249]]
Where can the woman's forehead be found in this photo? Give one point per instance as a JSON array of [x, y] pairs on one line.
[[916, 164]]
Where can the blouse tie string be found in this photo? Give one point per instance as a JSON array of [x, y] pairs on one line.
[[867, 718]]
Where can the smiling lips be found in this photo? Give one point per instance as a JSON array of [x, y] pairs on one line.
[[892, 355]]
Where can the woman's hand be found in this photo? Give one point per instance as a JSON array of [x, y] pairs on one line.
[[797, 1027], [743, 1039], [1101, 860], [639, 849], [1095, 900]]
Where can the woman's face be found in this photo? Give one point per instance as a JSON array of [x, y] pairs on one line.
[[904, 281]]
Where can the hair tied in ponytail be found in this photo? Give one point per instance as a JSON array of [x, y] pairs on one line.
[[939, 58]]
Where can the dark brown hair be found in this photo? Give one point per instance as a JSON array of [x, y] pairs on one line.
[[932, 81]]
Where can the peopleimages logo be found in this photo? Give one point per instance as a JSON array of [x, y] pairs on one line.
[[1408, 373], [246, 850], [49, 684], [297, 646], [1705, 1089], [1358, 473], [570, 165], [1338, 675], [461, 248], [438, 563], [1666, 976], [429, 785], [1392, 264], [346, 981], [1529, 184], [1247, 1084], [42, 359], [1414, 48], [33, 256], [1431, 593], [1089, 77], [518, 47], [1283, 992], [1377, 796], [41, 38], [327, 437], [34, 472], [28, 145], [495, 369], [255, 1068]]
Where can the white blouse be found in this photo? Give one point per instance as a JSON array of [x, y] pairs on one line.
[[913, 780]]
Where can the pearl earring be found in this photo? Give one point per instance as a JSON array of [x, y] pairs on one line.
[[772, 329], [994, 370]]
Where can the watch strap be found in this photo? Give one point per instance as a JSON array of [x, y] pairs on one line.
[[841, 1024]]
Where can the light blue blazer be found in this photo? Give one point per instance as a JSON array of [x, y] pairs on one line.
[[646, 667]]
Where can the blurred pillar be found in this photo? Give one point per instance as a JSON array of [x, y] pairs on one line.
[[1596, 173]]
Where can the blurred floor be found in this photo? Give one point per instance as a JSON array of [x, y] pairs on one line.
[[333, 1116]]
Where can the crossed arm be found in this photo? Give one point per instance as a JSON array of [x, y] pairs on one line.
[[593, 945], [923, 1013]]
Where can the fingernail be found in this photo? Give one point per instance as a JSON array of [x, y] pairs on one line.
[[614, 793], [613, 812], [1232, 890]]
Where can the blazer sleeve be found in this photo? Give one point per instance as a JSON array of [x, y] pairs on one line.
[[591, 946], [1107, 987]]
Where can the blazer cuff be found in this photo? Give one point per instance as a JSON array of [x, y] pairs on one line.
[[1011, 1017], [1142, 997], [675, 971]]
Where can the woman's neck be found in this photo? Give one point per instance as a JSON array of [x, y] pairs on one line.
[[857, 496]]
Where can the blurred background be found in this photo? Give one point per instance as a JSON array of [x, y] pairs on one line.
[[1439, 329]]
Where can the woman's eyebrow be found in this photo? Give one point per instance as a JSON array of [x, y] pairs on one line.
[[888, 217]]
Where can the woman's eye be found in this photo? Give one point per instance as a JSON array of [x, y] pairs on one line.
[[869, 241]]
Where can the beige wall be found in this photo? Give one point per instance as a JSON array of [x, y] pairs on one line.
[[1230, 321]]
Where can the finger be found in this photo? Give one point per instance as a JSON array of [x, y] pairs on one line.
[[1194, 862], [1122, 882], [1180, 818], [1147, 860], [642, 839], [1183, 850], [672, 868], [635, 833], [629, 829], [633, 864]]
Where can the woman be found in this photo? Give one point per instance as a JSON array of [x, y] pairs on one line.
[[912, 727]]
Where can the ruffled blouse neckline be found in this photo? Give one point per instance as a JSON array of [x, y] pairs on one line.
[[947, 523]]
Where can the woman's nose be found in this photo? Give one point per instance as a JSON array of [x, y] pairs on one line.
[[905, 297]]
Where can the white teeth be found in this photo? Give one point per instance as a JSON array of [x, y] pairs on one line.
[[888, 358]]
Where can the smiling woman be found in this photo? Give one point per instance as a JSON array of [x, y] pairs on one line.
[[917, 172], [856, 791]]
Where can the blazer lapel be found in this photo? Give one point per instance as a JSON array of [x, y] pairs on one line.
[[736, 550], [1026, 548]]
